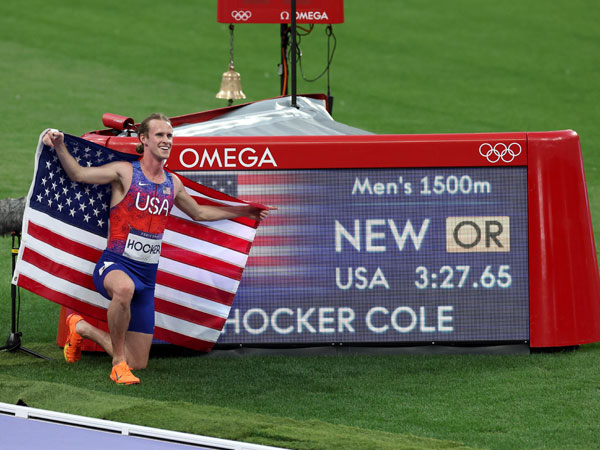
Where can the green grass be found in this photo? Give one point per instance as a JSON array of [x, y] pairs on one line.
[[531, 401], [224, 422], [403, 67]]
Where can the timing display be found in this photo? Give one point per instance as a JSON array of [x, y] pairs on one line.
[[383, 255], [458, 277]]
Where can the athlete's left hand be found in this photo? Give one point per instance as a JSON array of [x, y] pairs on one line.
[[52, 138]]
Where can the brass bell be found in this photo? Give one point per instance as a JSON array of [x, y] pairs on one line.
[[231, 82], [231, 85]]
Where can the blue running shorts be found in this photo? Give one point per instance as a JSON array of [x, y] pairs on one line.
[[143, 276]]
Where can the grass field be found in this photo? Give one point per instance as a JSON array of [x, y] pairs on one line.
[[402, 67]]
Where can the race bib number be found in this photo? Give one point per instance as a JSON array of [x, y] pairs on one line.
[[143, 247]]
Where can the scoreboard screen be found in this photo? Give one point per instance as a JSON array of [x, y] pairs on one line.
[[383, 255]]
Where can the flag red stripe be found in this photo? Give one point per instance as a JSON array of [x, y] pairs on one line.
[[211, 235], [182, 340], [201, 261], [59, 270], [56, 240], [189, 314], [194, 288], [62, 299]]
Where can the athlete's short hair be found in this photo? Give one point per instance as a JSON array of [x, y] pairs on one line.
[[144, 128]]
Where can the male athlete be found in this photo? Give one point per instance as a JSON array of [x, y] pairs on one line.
[[143, 194]]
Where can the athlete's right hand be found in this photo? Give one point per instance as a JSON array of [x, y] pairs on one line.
[[53, 137]]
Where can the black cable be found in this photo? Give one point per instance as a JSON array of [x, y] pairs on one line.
[[307, 31], [330, 54]]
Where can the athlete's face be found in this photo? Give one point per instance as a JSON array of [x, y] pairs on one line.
[[159, 140]]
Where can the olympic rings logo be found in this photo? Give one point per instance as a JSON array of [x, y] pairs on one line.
[[500, 151], [241, 15]]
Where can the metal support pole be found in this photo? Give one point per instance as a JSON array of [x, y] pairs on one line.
[[13, 342], [293, 12]]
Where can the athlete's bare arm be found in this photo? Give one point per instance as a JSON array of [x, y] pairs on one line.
[[118, 174], [187, 204]]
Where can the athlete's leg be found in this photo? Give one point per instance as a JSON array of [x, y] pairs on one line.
[[120, 287], [137, 349], [137, 345], [100, 337]]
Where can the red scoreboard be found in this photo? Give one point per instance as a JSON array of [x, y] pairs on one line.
[[407, 239]]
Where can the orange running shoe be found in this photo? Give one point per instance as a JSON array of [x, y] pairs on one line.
[[121, 374], [72, 348]]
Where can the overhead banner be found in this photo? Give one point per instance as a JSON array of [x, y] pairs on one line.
[[278, 11]]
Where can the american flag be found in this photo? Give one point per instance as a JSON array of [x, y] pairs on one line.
[[65, 225]]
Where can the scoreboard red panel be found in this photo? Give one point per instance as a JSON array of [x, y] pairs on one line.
[[564, 285]]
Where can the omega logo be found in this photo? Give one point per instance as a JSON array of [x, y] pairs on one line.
[[226, 157], [305, 15]]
